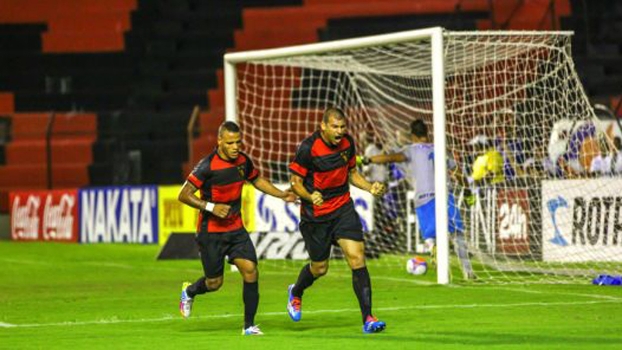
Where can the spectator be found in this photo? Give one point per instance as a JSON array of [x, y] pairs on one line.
[[616, 161], [576, 150], [601, 163], [374, 172]]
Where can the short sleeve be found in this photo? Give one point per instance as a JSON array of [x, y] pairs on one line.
[[407, 151], [251, 172], [479, 167], [302, 161], [200, 173], [352, 152]]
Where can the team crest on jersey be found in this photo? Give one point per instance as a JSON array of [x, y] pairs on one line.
[[241, 171], [344, 156]]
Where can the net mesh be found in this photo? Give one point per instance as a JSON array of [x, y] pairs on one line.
[[514, 107]]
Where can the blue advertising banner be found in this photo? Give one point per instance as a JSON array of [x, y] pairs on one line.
[[124, 214]]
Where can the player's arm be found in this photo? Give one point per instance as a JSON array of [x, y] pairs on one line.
[[356, 179], [511, 156], [299, 189], [188, 197], [480, 171], [456, 173], [385, 158], [267, 187]]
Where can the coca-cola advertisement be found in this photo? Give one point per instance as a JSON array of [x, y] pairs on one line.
[[44, 215]]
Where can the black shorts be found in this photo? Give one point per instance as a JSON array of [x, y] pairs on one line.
[[319, 236], [215, 246]]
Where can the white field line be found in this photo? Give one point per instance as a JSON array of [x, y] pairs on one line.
[[116, 320], [293, 272], [530, 291]]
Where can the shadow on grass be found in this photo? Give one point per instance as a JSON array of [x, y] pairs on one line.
[[473, 338]]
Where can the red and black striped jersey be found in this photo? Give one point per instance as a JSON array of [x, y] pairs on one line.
[[325, 168], [221, 181]]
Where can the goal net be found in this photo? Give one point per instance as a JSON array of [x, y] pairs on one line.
[[519, 139]]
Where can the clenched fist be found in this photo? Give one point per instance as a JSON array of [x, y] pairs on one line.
[[221, 210], [316, 198], [377, 189]]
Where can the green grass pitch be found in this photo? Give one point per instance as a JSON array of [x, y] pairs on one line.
[[66, 296]]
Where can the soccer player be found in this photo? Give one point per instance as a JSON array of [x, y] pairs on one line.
[[419, 157], [322, 171], [220, 231]]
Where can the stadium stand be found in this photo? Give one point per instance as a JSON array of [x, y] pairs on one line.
[[597, 48]]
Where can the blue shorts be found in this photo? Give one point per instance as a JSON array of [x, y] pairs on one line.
[[426, 216]]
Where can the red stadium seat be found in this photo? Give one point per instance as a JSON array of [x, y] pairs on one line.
[[7, 102], [74, 25]]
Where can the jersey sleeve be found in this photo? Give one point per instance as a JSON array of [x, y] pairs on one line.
[[251, 172], [200, 173], [352, 152], [302, 161], [495, 162], [479, 167], [407, 151]]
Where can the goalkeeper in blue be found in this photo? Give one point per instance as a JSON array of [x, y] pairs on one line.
[[419, 158]]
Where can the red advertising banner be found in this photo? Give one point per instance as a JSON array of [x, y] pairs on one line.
[[44, 215], [513, 221]]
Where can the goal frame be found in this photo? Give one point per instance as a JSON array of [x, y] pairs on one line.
[[436, 37]]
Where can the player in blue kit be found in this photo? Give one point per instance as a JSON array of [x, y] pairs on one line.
[[419, 158]]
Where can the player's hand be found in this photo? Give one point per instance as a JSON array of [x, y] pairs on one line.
[[316, 198], [290, 196], [378, 189], [221, 210]]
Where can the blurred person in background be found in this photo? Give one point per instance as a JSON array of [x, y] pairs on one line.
[[616, 161], [418, 158], [601, 163]]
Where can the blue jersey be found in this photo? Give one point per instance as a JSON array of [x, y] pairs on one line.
[[420, 165]]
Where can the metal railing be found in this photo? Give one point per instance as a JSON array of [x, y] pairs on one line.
[[550, 13], [193, 130], [48, 149], [515, 10]]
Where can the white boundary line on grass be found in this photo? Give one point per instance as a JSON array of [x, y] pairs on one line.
[[115, 320], [596, 296]]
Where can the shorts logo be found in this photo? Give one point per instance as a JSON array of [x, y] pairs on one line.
[[344, 156]]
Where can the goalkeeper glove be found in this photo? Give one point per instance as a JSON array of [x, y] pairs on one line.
[[469, 197], [362, 160]]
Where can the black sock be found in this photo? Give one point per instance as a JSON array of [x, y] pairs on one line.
[[197, 288], [362, 289], [305, 280], [251, 302]]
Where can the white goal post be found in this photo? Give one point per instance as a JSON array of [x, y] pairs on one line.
[[436, 36], [508, 91]]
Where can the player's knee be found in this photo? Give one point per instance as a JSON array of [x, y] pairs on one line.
[[213, 284], [250, 275], [319, 269], [356, 261]]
